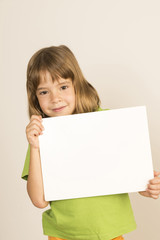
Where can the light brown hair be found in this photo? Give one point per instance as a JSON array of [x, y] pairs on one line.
[[59, 62]]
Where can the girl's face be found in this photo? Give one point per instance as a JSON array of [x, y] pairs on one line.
[[58, 98]]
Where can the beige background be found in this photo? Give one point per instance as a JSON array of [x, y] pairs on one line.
[[117, 44]]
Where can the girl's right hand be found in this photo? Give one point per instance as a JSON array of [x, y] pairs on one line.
[[34, 129]]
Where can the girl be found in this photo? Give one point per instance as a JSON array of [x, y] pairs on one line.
[[57, 87]]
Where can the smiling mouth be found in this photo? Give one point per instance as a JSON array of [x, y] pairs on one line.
[[58, 109]]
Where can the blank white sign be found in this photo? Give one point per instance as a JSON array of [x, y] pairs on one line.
[[98, 153]]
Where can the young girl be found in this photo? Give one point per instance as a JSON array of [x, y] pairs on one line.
[[57, 87]]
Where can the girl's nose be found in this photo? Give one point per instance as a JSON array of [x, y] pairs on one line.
[[55, 97]]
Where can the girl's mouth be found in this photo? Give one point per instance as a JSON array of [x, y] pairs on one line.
[[58, 109]]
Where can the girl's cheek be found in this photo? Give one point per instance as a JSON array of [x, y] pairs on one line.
[[42, 103]]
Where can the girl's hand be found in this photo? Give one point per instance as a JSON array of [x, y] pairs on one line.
[[33, 130], [153, 189]]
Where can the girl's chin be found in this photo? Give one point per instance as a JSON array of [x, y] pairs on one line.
[[56, 114]]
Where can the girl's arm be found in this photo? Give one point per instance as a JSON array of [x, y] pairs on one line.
[[35, 182]]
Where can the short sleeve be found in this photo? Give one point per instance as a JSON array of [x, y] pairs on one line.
[[26, 165]]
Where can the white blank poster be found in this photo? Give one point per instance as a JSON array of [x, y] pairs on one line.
[[98, 153]]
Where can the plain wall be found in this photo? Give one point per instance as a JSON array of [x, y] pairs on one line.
[[117, 46]]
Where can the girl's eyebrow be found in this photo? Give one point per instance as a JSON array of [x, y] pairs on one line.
[[40, 88], [60, 83], [64, 82]]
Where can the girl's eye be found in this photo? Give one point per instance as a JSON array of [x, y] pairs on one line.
[[43, 93], [64, 87]]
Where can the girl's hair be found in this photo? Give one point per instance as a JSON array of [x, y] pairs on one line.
[[59, 62]]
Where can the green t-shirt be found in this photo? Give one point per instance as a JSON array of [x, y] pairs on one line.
[[90, 218]]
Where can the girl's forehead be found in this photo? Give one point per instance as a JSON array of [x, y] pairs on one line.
[[45, 77]]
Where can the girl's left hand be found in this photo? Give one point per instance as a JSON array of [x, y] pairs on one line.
[[153, 188]]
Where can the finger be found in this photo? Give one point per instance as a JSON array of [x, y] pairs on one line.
[[35, 123], [31, 129], [154, 196], [153, 192], [156, 173], [154, 186], [36, 118], [33, 133], [39, 117], [154, 181]]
